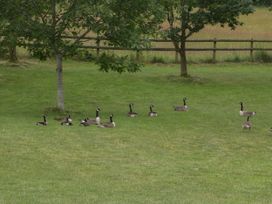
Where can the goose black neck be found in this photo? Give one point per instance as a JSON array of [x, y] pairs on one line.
[[44, 118], [97, 113], [184, 102], [111, 120], [247, 118], [151, 109], [130, 108], [242, 107]]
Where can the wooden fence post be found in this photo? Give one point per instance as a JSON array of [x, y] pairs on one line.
[[251, 50], [98, 46], [138, 55], [214, 50]]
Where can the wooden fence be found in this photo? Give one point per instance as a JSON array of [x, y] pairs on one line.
[[214, 48]]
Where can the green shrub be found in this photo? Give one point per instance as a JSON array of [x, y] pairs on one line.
[[156, 59], [263, 57], [84, 55]]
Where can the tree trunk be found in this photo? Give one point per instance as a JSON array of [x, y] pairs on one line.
[[60, 97], [13, 54], [183, 60]]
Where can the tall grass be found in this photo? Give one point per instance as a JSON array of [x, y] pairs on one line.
[[263, 57]]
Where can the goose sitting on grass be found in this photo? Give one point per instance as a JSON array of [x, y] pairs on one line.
[[131, 113], [247, 124], [67, 121], [110, 124], [85, 122], [182, 108], [94, 121], [245, 113], [151, 112], [43, 123]]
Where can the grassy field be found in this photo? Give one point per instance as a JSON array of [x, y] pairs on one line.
[[202, 156]]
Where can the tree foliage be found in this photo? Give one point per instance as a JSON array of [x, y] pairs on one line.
[[13, 17], [123, 23], [263, 2], [186, 17]]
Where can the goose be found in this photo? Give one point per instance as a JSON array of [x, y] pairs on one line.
[[245, 113], [44, 122], [67, 121], [247, 124], [110, 124], [151, 112], [182, 108], [92, 121], [131, 113], [85, 122]]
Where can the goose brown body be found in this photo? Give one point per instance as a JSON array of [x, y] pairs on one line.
[[247, 124], [242, 112], [151, 112], [131, 113], [110, 124], [67, 121], [94, 121], [182, 108], [42, 123]]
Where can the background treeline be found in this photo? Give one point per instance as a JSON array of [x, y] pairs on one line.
[[262, 2]]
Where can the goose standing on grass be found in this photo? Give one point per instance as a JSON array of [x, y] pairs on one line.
[[247, 124], [131, 113], [67, 121], [44, 122], [151, 112], [245, 113], [182, 108], [110, 124]]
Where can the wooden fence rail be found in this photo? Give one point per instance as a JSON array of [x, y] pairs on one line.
[[214, 46]]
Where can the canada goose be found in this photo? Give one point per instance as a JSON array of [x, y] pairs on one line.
[[247, 124], [44, 122], [245, 113], [85, 122], [110, 124], [151, 112], [67, 121], [182, 108], [96, 120], [131, 113]]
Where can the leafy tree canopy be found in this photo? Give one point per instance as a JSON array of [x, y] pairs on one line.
[[186, 17]]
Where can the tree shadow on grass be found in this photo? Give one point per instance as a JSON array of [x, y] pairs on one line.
[[59, 114], [194, 80]]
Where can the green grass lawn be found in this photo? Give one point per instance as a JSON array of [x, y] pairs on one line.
[[202, 156]]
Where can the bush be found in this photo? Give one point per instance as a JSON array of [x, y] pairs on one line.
[[3, 51], [156, 59], [263, 57], [84, 55]]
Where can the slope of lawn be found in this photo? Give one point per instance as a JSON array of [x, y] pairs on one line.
[[202, 156]]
